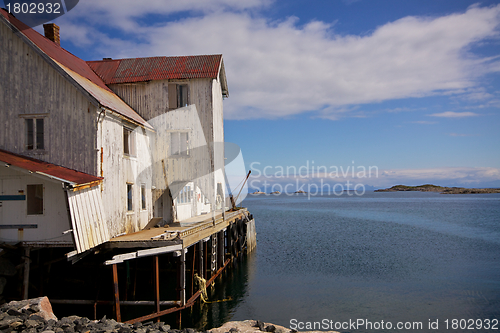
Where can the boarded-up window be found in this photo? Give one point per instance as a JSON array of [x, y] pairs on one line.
[[130, 195], [34, 199], [178, 95], [128, 142], [35, 133], [143, 196], [179, 144]]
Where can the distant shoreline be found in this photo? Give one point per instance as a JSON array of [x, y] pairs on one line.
[[440, 189]]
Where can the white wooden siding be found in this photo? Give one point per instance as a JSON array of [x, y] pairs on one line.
[[87, 218], [29, 85]]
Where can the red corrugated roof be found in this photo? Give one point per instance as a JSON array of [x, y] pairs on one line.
[[157, 68], [44, 168], [71, 64]]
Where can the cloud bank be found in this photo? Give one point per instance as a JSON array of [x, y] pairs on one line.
[[279, 69]]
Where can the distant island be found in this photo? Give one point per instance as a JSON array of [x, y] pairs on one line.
[[440, 189]]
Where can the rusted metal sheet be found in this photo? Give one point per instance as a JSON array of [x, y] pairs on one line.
[[75, 178], [87, 218], [157, 68]]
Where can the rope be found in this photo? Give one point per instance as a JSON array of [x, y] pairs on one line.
[[202, 284]]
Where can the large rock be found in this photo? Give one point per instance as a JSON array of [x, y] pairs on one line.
[[39, 306], [254, 326]]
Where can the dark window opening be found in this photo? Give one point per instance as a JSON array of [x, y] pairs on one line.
[[30, 139], [39, 134], [143, 196], [178, 95], [129, 197], [34, 199]]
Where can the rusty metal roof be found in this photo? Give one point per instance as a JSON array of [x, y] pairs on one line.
[[72, 65], [157, 68], [75, 178]]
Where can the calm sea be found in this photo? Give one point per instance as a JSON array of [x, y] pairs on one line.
[[400, 258]]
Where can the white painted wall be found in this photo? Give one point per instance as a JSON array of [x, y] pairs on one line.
[[50, 224], [119, 170]]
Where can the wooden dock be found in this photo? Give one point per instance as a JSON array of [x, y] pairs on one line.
[[212, 241]]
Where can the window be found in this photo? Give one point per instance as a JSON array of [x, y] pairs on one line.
[[128, 142], [178, 96], [143, 196], [185, 195], [34, 199], [34, 133], [179, 144], [130, 195]]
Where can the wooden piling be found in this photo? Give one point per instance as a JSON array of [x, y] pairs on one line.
[[157, 285], [26, 271], [117, 296]]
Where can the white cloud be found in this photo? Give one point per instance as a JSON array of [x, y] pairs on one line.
[[424, 122], [278, 69], [451, 114]]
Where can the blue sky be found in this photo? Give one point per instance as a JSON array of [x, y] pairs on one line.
[[411, 87]]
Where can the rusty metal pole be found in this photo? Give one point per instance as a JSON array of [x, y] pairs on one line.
[[157, 286], [117, 296]]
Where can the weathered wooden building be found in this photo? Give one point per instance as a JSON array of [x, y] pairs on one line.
[[94, 152]]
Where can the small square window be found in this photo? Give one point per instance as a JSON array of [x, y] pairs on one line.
[[178, 95], [35, 133], [34, 199]]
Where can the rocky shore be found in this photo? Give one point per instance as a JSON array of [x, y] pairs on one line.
[[36, 316], [440, 189]]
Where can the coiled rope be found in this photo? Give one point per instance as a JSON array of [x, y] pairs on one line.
[[202, 284]]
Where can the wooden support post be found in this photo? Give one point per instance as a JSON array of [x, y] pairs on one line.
[[117, 296], [182, 297], [192, 270], [200, 258], [157, 286], [26, 278], [220, 252], [205, 266]]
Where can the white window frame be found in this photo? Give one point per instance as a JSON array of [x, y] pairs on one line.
[[130, 198], [35, 119], [179, 143], [129, 141], [144, 203], [185, 195]]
